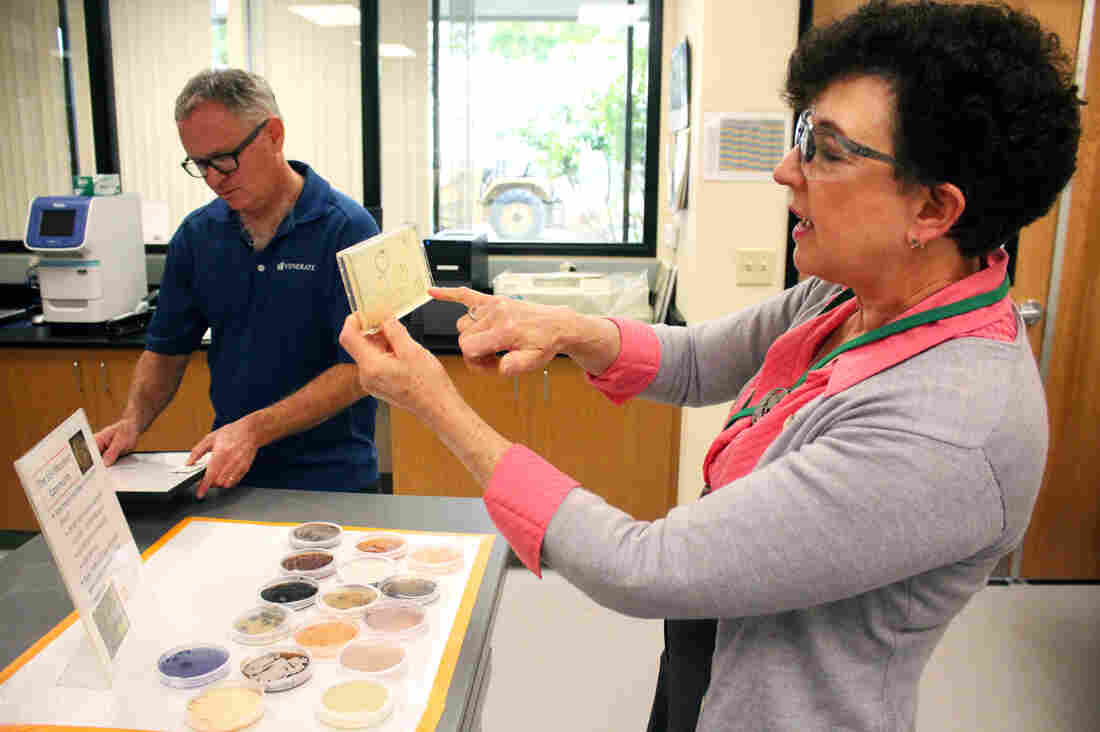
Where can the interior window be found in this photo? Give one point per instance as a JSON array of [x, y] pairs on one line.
[[541, 120], [528, 120]]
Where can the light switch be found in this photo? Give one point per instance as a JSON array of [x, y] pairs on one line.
[[755, 266]]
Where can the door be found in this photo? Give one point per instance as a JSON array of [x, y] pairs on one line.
[[1063, 541]]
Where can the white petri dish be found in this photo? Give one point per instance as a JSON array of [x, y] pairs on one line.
[[347, 601], [375, 659], [364, 570], [316, 535], [355, 704], [395, 620], [382, 544], [440, 558], [262, 625]]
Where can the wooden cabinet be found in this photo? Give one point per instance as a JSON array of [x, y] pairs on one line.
[[628, 454], [185, 421], [41, 387]]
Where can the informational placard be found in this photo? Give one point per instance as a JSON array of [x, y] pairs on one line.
[[74, 499]]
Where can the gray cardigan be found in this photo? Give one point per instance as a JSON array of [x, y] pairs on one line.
[[835, 566]]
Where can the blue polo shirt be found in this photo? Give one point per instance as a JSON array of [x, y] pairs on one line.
[[275, 317]]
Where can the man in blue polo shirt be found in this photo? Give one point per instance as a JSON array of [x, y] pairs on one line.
[[258, 267]]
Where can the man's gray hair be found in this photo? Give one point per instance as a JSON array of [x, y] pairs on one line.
[[246, 95]]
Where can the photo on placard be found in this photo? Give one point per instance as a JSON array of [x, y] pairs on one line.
[[111, 619], [79, 444]]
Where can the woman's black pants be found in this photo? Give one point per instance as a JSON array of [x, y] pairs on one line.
[[684, 675]]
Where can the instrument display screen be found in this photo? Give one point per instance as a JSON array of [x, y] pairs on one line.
[[57, 223]]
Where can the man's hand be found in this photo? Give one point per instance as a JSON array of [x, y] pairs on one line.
[[233, 447], [116, 440]]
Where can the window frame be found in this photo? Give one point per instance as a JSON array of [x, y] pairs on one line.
[[102, 92], [105, 129]]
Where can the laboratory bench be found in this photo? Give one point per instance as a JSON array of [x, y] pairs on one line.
[[18, 303], [36, 599]]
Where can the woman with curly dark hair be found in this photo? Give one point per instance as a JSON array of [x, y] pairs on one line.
[[889, 430]]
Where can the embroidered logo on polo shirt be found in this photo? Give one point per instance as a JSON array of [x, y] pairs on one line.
[[296, 265]]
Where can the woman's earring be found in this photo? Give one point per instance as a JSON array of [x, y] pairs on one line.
[[916, 243]]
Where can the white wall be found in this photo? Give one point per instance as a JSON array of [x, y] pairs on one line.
[[739, 51], [156, 48]]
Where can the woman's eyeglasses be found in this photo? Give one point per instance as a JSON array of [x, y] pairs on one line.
[[818, 156]]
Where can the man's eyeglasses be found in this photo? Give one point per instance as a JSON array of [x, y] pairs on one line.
[[225, 163], [806, 138]]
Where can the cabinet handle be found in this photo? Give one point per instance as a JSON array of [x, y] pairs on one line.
[[76, 373], [515, 388], [546, 385], [103, 376]]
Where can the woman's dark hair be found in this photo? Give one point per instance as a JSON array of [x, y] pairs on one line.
[[984, 99]]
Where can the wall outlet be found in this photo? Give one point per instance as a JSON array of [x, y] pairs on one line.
[[755, 266]]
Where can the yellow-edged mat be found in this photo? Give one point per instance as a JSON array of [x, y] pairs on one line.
[[196, 580]]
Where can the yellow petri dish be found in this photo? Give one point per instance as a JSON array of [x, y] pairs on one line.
[[353, 704]]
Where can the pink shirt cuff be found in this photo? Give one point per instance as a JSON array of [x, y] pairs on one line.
[[523, 494], [637, 364]]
